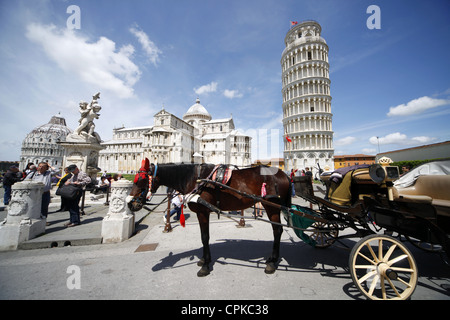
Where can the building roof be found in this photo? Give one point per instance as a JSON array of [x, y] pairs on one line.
[[354, 156], [419, 147], [224, 120], [123, 129], [56, 127], [122, 141], [197, 110]]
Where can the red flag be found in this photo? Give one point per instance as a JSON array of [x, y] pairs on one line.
[[293, 23], [288, 139], [182, 221]]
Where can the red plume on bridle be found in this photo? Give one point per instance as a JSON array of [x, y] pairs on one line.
[[143, 171]]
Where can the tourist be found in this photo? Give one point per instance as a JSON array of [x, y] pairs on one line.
[[405, 170], [258, 210], [177, 202], [81, 179], [60, 183], [292, 181], [102, 185], [42, 174], [117, 176], [11, 176], [258, 205], [29, 168], [308, 173]]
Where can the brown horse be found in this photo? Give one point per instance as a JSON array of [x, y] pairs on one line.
[[184, 178]]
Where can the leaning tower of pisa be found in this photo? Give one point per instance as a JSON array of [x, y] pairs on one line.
[[308, 135]]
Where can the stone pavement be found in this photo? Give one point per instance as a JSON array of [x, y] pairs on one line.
[[87, 233], [163, 266]]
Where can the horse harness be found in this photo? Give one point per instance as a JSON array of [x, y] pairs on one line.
[[218, 179]]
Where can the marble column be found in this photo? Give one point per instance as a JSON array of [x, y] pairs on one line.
[[23, 221], [118, 225]]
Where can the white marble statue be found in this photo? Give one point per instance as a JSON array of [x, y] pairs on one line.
[[88, 113]]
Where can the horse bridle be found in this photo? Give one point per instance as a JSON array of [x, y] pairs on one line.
[[142, 197]]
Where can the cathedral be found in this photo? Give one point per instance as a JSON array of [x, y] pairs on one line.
[[41, 144], [194, 138]]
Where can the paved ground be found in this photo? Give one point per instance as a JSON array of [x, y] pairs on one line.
[[157, 265]]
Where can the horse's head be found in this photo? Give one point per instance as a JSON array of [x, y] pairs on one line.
[[139, 191]]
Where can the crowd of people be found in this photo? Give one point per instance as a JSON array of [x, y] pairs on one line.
[[72, 175], [303, 172], [50, 177]]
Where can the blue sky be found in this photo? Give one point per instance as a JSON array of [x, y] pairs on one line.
[[392, 83]]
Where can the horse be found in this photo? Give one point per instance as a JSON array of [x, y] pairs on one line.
[[185, 179]]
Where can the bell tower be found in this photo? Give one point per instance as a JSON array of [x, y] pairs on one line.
[[307, 117]]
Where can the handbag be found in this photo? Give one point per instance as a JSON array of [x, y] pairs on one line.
[[69, 191]]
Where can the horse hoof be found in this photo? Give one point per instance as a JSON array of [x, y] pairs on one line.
[[201, 262], [270, 268], [204, 271]]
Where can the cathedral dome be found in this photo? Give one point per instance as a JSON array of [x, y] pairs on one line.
[[197, 112], [41, 144], [56, 128]]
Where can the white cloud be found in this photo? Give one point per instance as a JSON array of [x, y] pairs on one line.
[[416, 106], [369, 150], [344, 141], [400, 139], [231, 94], [422, 139], [98, 63], [207, 88], [149, 47], [396, 138]]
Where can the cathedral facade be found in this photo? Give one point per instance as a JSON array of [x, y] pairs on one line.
[[194, 138]]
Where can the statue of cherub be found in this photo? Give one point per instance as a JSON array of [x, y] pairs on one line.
[[88, 113]]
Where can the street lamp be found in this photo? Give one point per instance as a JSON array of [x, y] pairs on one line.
[[378, 140]]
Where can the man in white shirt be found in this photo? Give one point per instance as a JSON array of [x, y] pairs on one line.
[[177, 202], [42, 174]]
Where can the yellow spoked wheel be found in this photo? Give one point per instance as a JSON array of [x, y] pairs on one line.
[[383, 268]]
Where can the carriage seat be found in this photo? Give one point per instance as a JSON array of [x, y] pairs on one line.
[[345, 191], [433, 189], [304, 188]]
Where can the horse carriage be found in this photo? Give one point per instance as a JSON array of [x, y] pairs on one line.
[[363, 200], [382, 209]]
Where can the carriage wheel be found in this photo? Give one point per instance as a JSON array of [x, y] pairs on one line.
[[323, 239], [383, 268]]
